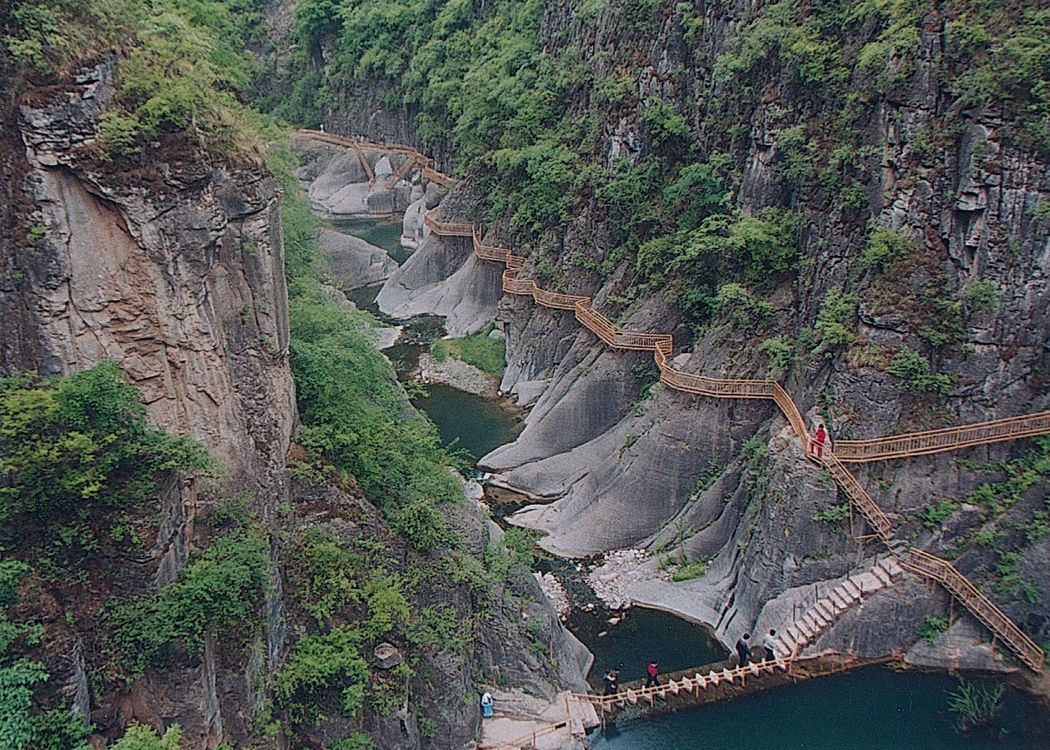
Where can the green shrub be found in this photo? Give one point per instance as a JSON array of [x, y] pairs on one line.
[[779, 353], [119, 132], [317, 664], [83, 442], [935, 514], [836, 314], [667, 128], [885, 247], [691, 570], [219, 592], [360, 741], [915, 374], [142, 737], [420, 523], [21, 726], [698, 192], [981, 295], [933, 627], [797, 162], [833, 515], [323, 575], [738, 304]]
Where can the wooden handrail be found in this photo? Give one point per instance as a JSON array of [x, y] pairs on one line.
[[944, 439], [859, 497], [980, 605], [696, 683], [662, 346]]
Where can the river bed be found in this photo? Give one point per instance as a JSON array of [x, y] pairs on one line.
[[871, 708]]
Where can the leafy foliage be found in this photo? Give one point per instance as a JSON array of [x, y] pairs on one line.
[[80, 443], [933, 627], [320, 663], [916, 375], [219, 592], [834, 320], [362, 424], [183, 69], [142, 737], [885, 247], [22, 728]]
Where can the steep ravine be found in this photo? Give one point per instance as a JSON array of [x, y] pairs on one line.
[[626, 470]]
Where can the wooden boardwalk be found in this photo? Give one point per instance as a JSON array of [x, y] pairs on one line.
[[662, 344]]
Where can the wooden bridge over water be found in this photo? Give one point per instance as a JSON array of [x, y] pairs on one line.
[[661, 345]]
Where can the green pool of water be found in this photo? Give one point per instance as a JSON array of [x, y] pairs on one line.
[[641, 635], [869, 709], [383, 233], [469, 422]]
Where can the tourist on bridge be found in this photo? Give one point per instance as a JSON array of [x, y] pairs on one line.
[[816, 445], [769, 643], [651, 671], [743, 650], [612, 682]]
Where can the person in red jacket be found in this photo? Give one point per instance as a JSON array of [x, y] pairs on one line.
[[816, 445], [651, 671]]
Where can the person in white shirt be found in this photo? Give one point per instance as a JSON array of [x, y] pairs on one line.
[[769, 643]]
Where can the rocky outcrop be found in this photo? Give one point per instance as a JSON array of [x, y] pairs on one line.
[[353, 262], [173, 268], [443, 277], [442, 691], [340, 187]]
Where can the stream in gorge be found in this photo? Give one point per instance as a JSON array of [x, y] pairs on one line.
[[875, 707]]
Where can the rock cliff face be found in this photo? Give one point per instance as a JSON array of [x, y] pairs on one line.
[[175, 273], [174, 269], [623, 469]]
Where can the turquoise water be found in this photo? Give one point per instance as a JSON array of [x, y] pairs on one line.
[[469, 422], [870, 709]]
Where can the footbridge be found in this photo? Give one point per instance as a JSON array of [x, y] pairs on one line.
[[690, 687], [833, 460]]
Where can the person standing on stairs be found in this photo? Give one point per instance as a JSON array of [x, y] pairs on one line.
[[743, 650], [769, 643], [816, 445]]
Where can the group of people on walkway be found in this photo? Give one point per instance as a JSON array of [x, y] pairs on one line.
[[612, 677], [769, 644]]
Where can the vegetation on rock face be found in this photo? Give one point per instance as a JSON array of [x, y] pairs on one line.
[[217, 594], [81, 469], [76, 454], [353, 410], [183, 70]]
